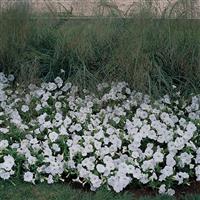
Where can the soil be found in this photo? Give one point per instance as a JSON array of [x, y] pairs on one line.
[[181, 191], [142, 191]]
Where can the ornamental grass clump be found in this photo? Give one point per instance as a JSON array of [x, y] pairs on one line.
[[150, 50], [54, 132]]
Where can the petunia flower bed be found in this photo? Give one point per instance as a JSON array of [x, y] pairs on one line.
[[117, 138]]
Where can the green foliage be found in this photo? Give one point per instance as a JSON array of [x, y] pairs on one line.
[[151, 53], [22, 191], [16, 190]]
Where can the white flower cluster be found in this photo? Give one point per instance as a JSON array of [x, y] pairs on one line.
[[117, 138]]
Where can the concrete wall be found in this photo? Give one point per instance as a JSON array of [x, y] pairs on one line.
[[91, 7]]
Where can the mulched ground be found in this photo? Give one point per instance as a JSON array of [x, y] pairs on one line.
[[181, 191], [141, 191], [194, 188]]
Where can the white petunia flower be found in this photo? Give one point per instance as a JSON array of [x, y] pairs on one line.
[[25, 108], [28, 177], [53, 136], [100, 168], [3, 144]]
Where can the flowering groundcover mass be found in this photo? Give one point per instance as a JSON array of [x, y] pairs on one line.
[[119, 137]]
